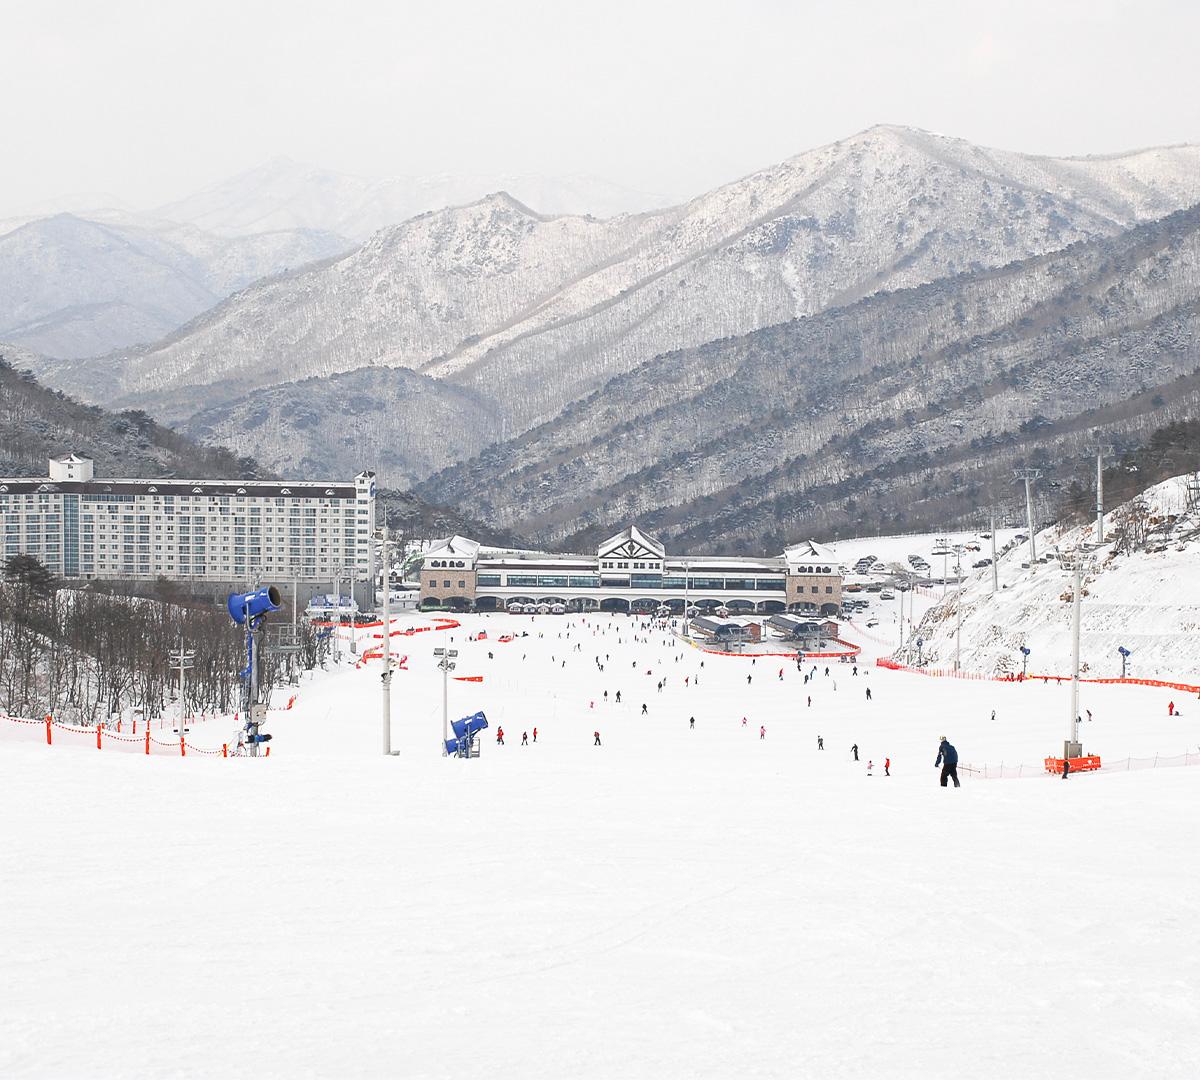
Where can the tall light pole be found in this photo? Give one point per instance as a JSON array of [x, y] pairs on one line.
[[958, 551], [446, 665], [943, 542], [182, 659], [387, 653], [1081, 567], [1125, 654], [1029, 476]]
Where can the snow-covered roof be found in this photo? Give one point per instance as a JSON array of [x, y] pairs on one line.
[[458, 546], [809, 549], [631, 543]]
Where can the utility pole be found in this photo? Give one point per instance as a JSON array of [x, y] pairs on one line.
[[387, 652], [182, 659], [1029, 476], [900, 594], [943, 542], [1101, 450], [995, 571]]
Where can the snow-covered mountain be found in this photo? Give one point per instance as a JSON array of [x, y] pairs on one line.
[[74, 287], [1142, 594], [286, 194], [537, 311]]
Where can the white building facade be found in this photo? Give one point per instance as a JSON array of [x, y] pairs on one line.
[[219, 531], [630, 572]]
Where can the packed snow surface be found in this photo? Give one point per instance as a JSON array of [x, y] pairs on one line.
[[677, 902]]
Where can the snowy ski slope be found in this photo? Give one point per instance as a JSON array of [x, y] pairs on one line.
[[673, 903]]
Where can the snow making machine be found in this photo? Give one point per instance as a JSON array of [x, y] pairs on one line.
[[465, 744]]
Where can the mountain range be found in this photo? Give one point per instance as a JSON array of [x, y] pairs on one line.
[[815, 301], [72, 286], [911, 408], [85, 275], [287, 194]]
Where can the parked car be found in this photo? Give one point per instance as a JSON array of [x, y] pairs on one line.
[[981, 564], [887, 594]]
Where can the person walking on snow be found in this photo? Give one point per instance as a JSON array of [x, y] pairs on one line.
[[870, 766], [948, 759], [644, 709], [618, 697], [762, 731], [524, 738], [887, 766], [749, 679], [596, 736], [820, 742], [810, 701], [1170, 708], [500, 736], [854, 751], [868, 693], [535, 734], [692, 722], [1066, 767]]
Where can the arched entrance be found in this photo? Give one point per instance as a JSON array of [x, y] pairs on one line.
[[615, 604], [487, 603], [770, 607]]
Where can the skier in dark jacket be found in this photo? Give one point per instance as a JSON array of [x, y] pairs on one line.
[[854, 751], [948, 759]]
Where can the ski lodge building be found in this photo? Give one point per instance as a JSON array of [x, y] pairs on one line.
[[630, 572]]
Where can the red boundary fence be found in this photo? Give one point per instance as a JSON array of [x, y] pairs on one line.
[[947, 673], [376, 652], [145, 743]]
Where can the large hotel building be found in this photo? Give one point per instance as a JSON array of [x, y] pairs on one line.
[[630, 572], [214, 532]]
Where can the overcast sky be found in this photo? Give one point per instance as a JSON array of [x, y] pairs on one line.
[[152, 99]]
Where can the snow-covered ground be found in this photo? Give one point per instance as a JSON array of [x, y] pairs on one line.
[[1147, 601], [673, 903]]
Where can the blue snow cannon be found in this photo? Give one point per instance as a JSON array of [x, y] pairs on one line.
[[252, 605]]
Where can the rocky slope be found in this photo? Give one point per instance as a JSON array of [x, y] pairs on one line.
[[534, 313]]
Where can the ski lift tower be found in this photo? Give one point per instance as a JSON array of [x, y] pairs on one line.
[[1029, 476]]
